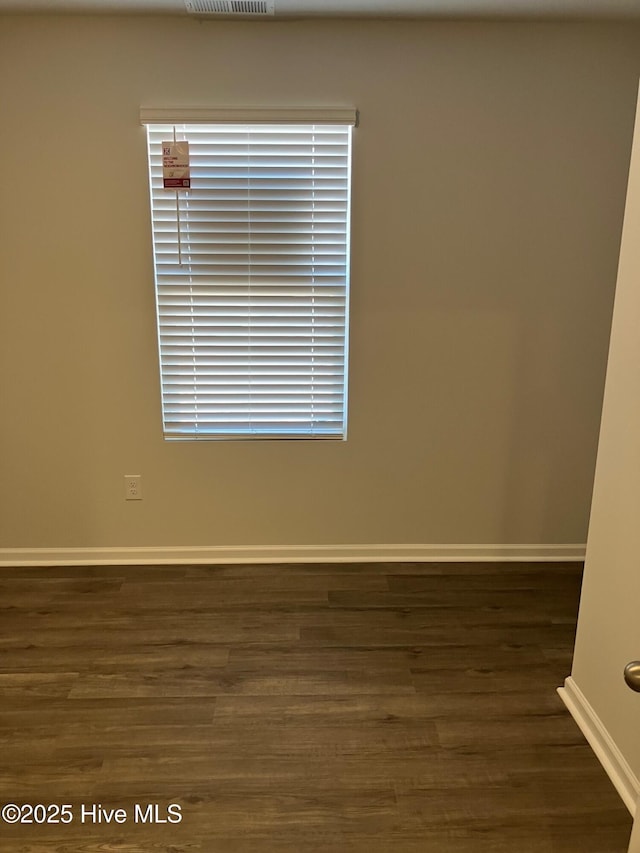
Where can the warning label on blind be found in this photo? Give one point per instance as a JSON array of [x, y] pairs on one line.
[[175, 165]]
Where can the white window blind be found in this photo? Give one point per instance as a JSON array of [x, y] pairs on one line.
[[252, 274]]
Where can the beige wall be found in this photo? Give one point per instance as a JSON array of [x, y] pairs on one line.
[[489, 178]]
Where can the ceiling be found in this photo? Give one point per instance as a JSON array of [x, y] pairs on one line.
[[546, 9]]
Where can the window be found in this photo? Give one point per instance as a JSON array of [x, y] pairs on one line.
[[252, 272]]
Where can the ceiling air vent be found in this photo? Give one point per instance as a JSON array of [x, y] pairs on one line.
[[244, 8]]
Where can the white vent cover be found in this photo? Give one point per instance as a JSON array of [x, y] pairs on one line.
[[253, 8]]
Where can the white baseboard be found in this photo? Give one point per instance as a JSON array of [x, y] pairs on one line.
[[289, 554], [601, 742]]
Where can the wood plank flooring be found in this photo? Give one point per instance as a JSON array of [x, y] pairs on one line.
[[299, 709]]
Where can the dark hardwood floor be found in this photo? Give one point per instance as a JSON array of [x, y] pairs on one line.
[[298, 709]]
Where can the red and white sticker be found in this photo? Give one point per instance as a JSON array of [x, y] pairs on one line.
[[176, 174]]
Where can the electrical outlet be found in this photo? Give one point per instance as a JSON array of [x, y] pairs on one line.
[[133, 487]]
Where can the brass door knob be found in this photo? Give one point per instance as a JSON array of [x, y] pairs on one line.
[[632, 675]]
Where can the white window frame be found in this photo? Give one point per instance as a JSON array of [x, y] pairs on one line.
[[280, 378]]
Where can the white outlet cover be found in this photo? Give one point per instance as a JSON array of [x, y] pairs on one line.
[[133, 487]]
